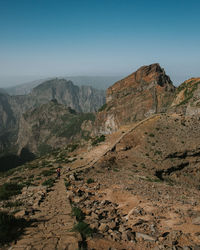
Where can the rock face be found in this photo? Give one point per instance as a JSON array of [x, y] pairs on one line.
[[7, 122], [187, 99], [50, 126], [82, 99], [147, 91], [6, 114]]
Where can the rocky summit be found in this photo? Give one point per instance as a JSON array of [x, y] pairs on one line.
[[129, 173], [145, 92]]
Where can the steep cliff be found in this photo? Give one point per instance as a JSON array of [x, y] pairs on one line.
[[7, 123], [82, 99], [49, 126], [145, 92]]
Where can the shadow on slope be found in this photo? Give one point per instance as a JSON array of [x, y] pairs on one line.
[[11, 228], [12, 161]]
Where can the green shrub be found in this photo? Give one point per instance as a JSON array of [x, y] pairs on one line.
[[49, 183], [17, 178], [31, 166], [90, 180], [47, 172], [67, 184], [83, 228], [77, 212], [153, 180], [8, 190], [151, 135], [28, 183], [158, 152], [72, 147], [103, 107], [98, 139]]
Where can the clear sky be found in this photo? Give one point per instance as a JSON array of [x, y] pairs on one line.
[[98, 37]]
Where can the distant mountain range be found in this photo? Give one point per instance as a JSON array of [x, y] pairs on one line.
[[80, 99], [98, 82]]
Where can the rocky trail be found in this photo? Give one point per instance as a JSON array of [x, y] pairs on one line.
[[52, 229]]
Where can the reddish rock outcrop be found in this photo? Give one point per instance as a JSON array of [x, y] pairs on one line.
[[145, 92]]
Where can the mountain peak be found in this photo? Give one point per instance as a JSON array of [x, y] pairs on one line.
[[145, 77], [145, 92]]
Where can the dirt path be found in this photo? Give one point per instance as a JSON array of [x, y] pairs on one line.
[[94, 154], [54, 222]]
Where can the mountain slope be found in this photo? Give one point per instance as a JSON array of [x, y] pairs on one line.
[[51, 125], [187, 99], [145, 92], [8, 129]]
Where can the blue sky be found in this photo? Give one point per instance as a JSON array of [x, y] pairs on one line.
[[41, 38]]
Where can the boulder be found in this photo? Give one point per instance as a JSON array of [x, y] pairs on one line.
[[21, 213], [111, 224], [145, 237], [71, 177], [94, 216], [196, 221], [94, 225], [103, 227]]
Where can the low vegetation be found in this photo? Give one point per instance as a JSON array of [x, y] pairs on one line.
[[98, 139], [90, 180], [49, 183], [189, 87], [103, 107], [81, 227], [72, 125], [77, 212], [67, 184], [72, 147], [48, 172], [7, 190]]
